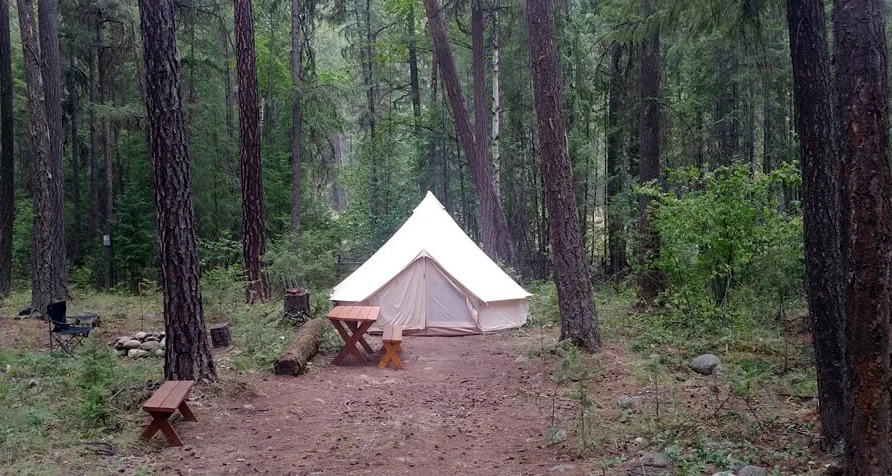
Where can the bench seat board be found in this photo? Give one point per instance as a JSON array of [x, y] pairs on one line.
[[169, 396]]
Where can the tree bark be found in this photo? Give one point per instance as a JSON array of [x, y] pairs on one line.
[[413, 71], [76, 250], [51, 70], [496, 103], [862, 85], [821, 209], [296, 115], [254, 230], [579, 319], [94, 147], [496, 238], [109, 205], [305, 345], [616, 173], [650, 280], [220, 335], [188, 355], [7, 160], [481, 137], [43, 288]]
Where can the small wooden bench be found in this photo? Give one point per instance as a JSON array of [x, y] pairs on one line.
[[162, 404], [393, 345]]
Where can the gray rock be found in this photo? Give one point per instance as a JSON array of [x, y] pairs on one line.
[[34, 382], [752, 471], [249, 407], [152, 339], [120, 341], [521, 359], [736, 464], [652, 464], [158, 352], [627, 402], [640, 442], [150, 345], [137, 353], [131, 344], [561, 468], [163, 342], [140, 335], [121, 352], [705, 363], [537, 378]]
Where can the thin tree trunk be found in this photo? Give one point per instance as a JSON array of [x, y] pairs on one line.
[[94, 147], [618, 259], [253, 224], [7, 160], [413, 72], [862, 85], [821, 209], [496, 103], [43, 289], [109, 280], [51, 69], [579, 319], [296, 115], [230, 123], [188, 355], [650, 280], [76, 255], [496, 238]]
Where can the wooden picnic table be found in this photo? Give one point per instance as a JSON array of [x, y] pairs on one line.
[[352, 322]]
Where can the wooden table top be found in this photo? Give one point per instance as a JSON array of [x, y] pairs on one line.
[[354, 313]]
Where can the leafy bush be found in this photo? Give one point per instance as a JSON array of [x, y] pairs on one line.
[[725, 242]]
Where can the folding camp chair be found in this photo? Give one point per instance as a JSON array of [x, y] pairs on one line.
[[63, 334]]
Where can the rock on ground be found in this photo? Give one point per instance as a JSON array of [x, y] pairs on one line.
[[705, 364], [652, 464], [137, 353], [627, 402], [752, 471]]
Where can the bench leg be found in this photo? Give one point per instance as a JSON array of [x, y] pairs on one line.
[[159, 422], [187, 412], [390, 355]]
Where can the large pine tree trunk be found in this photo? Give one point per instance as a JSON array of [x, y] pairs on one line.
[[862, 85], [51, 70], [253, 225], [7, 164], [579, 320], [479, 66], [650, 280], [188, 355], [616, 241], [496, 238], [43, 289], [296, 115], [821, 208], [496, 103]]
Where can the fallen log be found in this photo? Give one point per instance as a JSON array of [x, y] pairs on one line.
[[304, 347]]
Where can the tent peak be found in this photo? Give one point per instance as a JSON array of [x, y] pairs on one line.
[[430, 202]]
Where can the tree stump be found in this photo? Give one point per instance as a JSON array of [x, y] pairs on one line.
[[297, 305], [304, 347], [220, 335]]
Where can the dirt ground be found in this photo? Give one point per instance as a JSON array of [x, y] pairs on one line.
[[459, 406]]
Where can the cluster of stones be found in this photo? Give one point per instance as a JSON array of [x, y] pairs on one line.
[[141, 344]]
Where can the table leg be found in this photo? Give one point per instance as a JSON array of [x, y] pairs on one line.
[[349, 344], [362, 331]]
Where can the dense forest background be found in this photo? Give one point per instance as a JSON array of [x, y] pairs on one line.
[[378, 132]]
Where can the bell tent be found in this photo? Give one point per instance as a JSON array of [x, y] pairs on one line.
[[432, 279]]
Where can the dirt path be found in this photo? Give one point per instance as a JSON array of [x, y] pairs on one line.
[[458, 407]]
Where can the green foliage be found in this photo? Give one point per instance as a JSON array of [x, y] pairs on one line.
[[261, 335], [309, 262], [544, 309], [724, 238], [95, 377]]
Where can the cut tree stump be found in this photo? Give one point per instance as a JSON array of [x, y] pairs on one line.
[[297, 305], [304, 347], [220, 335]]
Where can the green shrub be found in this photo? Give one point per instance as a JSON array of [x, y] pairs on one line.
[[95, 377]]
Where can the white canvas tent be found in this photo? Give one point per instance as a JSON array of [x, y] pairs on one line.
[[431, 279]]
